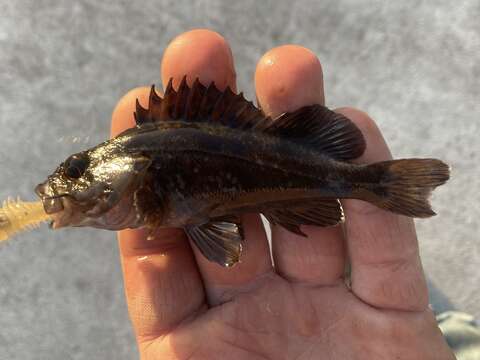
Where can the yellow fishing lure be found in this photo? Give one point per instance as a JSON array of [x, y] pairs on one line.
[[17, 216]]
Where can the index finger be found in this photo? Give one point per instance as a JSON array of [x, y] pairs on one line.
[[162, 283]]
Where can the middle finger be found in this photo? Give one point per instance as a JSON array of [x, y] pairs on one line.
[[287, 78]]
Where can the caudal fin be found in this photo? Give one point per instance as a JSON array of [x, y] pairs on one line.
[[405, 185]]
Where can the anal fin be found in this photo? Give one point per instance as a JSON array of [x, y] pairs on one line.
[[219, 240], [318, 212]]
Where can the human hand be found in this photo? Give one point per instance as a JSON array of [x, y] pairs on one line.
[[183, 306]]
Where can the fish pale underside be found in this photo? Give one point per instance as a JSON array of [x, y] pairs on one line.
[[199, 158]]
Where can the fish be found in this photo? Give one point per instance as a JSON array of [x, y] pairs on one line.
[[199, 158]]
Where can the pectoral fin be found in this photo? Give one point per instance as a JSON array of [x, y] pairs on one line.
[[219, 240], [319, 212]]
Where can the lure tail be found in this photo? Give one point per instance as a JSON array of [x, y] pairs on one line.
[[16, 216], [404, 186]]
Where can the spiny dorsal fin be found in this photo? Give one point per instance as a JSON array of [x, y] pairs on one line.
[[200, 103], [315, 126]]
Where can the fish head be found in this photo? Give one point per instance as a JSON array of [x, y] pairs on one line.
[[94, 188]]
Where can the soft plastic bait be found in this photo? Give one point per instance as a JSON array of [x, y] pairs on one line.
[[17, 216]]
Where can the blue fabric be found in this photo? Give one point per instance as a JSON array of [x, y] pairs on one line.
[[462, 334]]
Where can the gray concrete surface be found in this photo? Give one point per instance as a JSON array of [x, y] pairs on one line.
[[413, 65]]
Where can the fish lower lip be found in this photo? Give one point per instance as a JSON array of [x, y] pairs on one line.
[[60, 218], [56, 223]]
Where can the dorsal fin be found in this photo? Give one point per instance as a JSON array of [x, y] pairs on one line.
[[326, 131], [199, 104], [315, 126]]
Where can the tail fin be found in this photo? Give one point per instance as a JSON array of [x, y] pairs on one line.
[[405, 185]]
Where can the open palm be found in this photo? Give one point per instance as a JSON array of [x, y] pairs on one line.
[[298, 305]]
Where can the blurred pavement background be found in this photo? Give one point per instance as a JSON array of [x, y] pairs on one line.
[[414, 66]]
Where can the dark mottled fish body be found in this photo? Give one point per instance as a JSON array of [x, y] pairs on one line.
[[199, 158], [206, 162]]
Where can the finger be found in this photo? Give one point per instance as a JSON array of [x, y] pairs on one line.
[[383, 248], [162, 283], [206, 55], [201, 54], [287, 78]]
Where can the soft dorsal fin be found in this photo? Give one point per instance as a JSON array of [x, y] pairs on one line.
[[326, 131], [315, 126]]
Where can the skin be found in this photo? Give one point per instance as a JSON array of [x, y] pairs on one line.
[[184, 307]]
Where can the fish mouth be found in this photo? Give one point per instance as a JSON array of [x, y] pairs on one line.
[[90, 208], [57, 206]]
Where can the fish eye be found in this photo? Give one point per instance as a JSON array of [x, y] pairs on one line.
[[76, 165]]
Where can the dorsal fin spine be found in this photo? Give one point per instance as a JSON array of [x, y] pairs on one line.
[[167, 101], [190, 108], [181, 99], [141, 114]]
